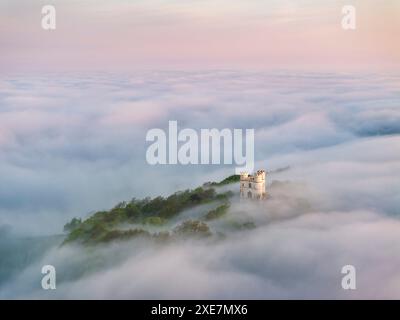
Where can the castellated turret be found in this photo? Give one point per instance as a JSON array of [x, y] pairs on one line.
[[253, 186]]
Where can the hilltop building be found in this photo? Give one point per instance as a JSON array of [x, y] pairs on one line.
[[253, 186]]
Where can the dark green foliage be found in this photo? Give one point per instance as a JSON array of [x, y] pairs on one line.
[[102, 226], [124, 235], [132, 211], [224, 196], [231, 179], [72, 225], [154, 221], [217, 213], [193, 228], [88, 232], [153, 206], [243, 226]]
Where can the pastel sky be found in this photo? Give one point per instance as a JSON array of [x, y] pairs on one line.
[[128, 35]]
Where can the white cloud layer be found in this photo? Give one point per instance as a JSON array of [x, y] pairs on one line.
[[71, 145]]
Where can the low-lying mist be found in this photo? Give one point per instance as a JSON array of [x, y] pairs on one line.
[[336, 203]]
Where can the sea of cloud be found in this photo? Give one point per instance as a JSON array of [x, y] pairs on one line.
[[74, 144]]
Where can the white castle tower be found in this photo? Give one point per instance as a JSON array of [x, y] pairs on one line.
[[253, 186]]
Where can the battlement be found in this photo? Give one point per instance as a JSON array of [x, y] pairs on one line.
[[257, 177]]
